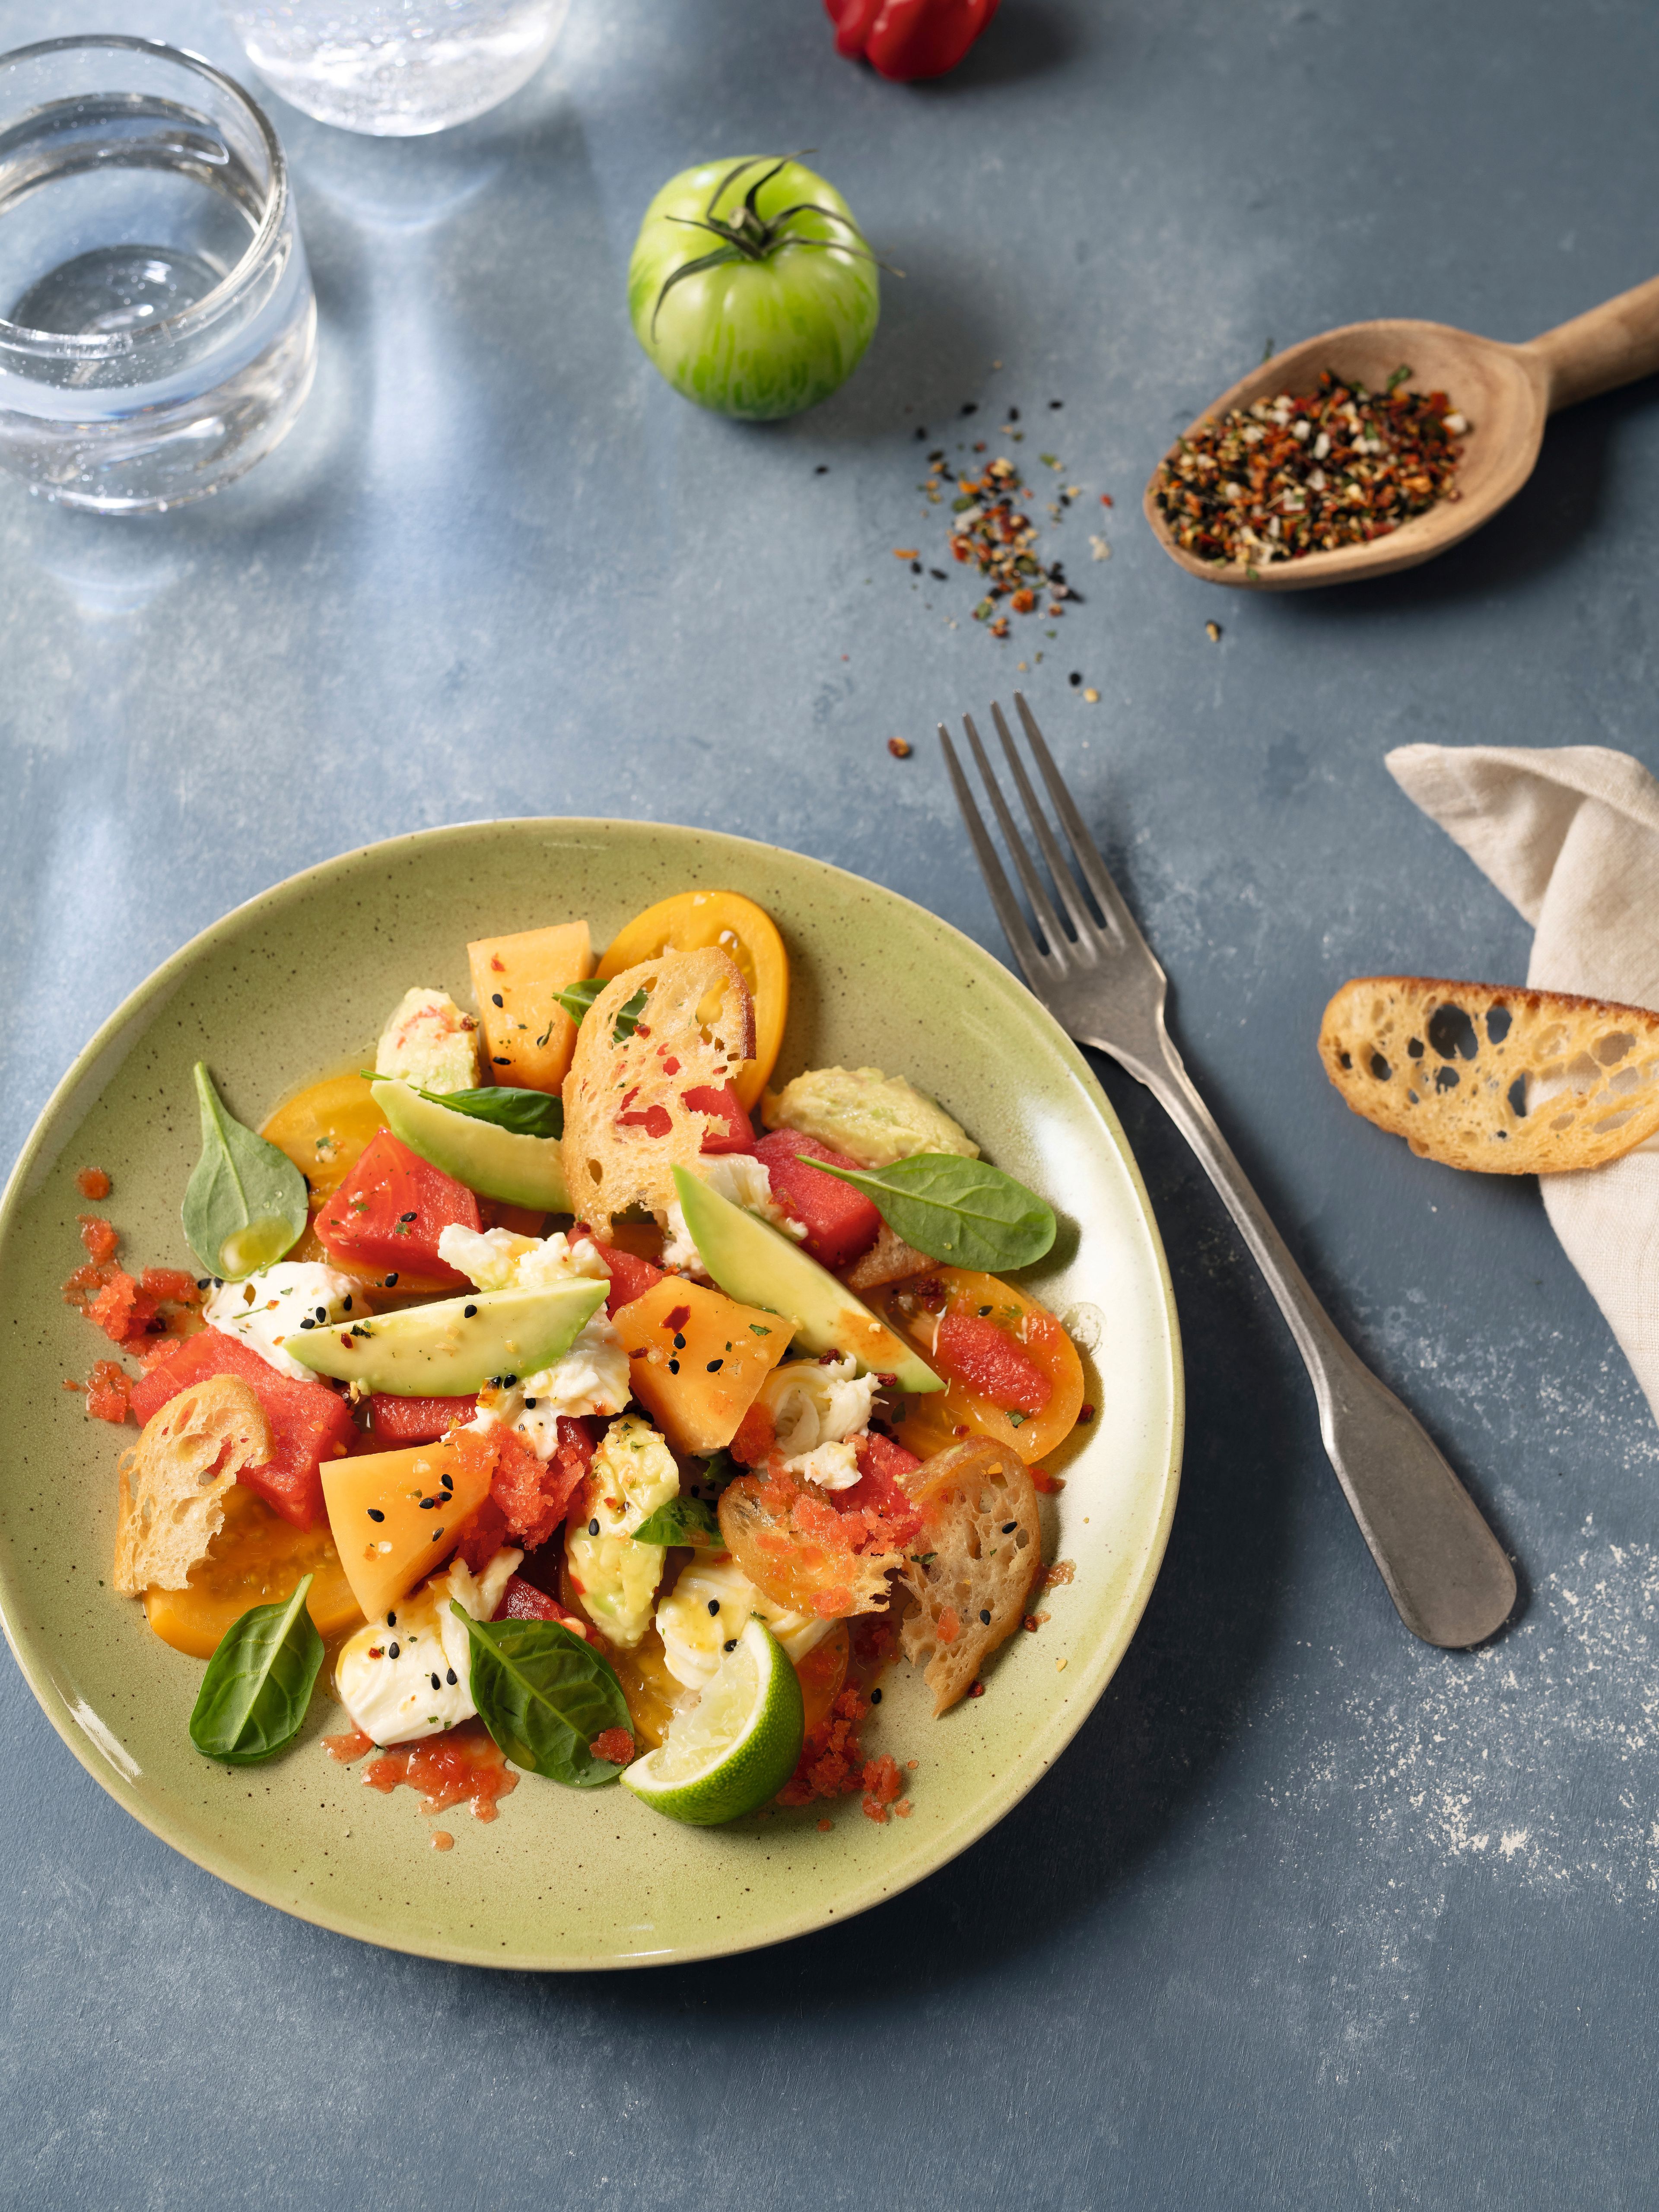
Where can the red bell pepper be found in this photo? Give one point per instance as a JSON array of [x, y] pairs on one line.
[[904, 39]]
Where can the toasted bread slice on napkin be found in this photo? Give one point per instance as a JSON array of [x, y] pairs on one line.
[[1481, 1075]]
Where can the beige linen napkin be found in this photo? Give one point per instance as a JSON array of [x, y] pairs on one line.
[[1570, 834]]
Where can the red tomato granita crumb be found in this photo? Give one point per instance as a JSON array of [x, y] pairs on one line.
[[94, 1183], [462, 1766], [615, 1744]]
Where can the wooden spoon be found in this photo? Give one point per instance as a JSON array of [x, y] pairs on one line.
[[1507, 391]]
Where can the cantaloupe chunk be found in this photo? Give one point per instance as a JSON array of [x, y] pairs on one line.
[[528, 1037], [697, 1359], [387, 1533]]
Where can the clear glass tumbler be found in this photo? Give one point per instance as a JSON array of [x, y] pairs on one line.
[[397, 69], [157, 326]]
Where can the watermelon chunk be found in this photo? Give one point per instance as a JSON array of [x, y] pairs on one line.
[[309, 1422], [390, 1211], [841, 1222], [396, 1421], [983, 1357], [630, 1278], [879, 1494]]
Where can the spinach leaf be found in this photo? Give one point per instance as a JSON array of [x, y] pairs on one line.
[[577, 998], [720, 1468], [245, 1203], [525, 1113], [682, 1521], [258, 1685], [544, 1695], [965, 1212]]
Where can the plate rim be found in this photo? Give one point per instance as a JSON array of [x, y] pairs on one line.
[[1023, 1774]]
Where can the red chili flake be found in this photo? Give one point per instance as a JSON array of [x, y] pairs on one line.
[[1308, 473], [677, 1317], [906, 552], [1105, 499], [977, 1690], [1085, 1413], [1049, 1485], [94, 1183], [498, 966], [900, 748]]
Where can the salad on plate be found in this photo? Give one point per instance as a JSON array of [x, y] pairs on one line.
[[563, 1422]]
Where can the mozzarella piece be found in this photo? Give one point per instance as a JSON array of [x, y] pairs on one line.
[[616, 1577], [278, 1301], [497, 1259], [742, 1179], [818, 1409], [696, 1640], [590, 1381], [430, 1043], [411, 1674]]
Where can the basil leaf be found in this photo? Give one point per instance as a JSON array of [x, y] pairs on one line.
[[544, 1695], [577, 998], [628, 1017], [682, 1521], [525, 1113], [965, 1212], [258, 1682], [245, 1203], [720, 1468]]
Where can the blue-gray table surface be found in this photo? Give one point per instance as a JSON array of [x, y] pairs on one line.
[[1310, 1914]]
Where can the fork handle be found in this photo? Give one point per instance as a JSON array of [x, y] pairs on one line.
[[1447, 1573]]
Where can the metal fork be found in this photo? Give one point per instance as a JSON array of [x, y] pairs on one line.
[[1445, 1571]]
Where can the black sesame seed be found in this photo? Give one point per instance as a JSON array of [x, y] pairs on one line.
[[1056, 403], [467, 1312], [500, 1059], [391, 1650], [450, 1676], [673, 1366], [392, 1282], [593, 1526], [530, 1405], [202, 1281], [985, 1617], [730, 1644], [679, 1341], [496, 999], [308, 1322], [1013, 414], [715, 1365], [436, 1683], [392, 1620], [916, 568], [322, 1313], [448, 1482], [406, 1217], [426, 1504], [375, 1514], [713, 1608], [971, 407], [1009, 1526], [821, 470], [1075, 678], [875, 1697], [346, 1308]]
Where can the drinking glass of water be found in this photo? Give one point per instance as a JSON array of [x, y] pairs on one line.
[[157, 325], [397, 68]]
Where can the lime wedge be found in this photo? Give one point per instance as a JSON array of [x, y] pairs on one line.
[[736, 1747]]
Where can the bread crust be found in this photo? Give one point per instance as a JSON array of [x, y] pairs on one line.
[[699, 1016], [890, 1260], [1491, 1077], [972, 1572], [173, 1480]]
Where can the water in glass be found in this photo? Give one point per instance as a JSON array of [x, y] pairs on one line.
[[396, 67]]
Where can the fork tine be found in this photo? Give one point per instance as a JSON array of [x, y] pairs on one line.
[[1065, 883], [1001, 890], [1096, 873], [1048, 920]]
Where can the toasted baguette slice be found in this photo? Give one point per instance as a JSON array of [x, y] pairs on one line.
[[970, 1596], [1482, 1076], [890, 1260], [697, 1029], [175, 1479]]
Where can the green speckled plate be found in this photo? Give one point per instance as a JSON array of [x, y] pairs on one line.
[[297, 982]]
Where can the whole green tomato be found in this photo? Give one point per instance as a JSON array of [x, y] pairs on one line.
[[751, 287]]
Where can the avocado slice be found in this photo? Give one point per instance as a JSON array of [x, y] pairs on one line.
[[494, 1162], [752, 1262], [454, 1347]]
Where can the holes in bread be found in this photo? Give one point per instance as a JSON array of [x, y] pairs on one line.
[[1446, 1078], [1498, 1022], [1516, 1095], [1613, 1048], [1414, 1049], [1452, 1034], [1380, 1067]]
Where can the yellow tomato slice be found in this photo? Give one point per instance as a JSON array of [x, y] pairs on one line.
[[934, 1424], [691, 920], [256, 1558]]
